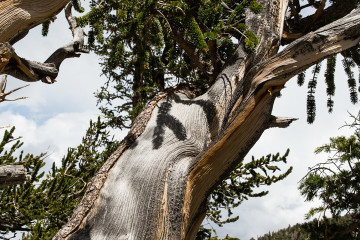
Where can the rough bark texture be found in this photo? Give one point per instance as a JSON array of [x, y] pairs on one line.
[[18, 16], [12, 175], [155, 186]]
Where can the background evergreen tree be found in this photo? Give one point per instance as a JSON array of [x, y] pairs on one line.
[[44, 203], [336, 183], [144, 46]]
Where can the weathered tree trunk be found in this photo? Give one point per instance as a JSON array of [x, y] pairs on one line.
[[12, 175], [156, 185]]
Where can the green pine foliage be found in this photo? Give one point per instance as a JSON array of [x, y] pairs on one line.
[[44, 203], [240, 186], [336, 181], [329, 228], [330, 81], [301, 79], [147, 46], [310, 102], [77, 6], [348, 65], [45, 28], [194, 31]]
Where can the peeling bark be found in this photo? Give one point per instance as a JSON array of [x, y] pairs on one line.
[[155, 186]]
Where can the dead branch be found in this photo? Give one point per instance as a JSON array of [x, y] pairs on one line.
[[3, 94], [31, 71]]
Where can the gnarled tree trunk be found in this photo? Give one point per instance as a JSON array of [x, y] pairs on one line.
[[156, 185]]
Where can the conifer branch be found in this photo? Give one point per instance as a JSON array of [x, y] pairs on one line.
[[192, 52], [215, 58]]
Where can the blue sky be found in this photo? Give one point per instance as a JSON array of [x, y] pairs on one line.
[[55, 117]]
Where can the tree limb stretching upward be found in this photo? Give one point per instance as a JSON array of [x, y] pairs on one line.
[[155, 186]]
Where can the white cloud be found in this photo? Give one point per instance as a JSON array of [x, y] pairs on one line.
[[56, 116], [54, 135]]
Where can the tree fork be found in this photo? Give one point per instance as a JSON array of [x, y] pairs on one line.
[[155, 185]]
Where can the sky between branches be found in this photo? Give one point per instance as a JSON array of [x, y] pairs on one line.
[[55, 117]]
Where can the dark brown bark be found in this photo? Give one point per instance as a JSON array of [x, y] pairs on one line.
[[12, 175]]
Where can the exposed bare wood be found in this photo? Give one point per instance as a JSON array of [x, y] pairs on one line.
[[156, 184], [17, 16], [12, 175], [93, 191], [281, 122], [291, 36], [31, 71]]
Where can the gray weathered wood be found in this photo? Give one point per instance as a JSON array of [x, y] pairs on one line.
[[155, 186], [18, 16], [12, 175], [31, 71]]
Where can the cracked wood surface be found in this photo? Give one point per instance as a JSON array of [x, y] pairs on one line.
[[156, 184], [17, 16]]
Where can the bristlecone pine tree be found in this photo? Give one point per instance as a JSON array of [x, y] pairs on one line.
[[187, 138]]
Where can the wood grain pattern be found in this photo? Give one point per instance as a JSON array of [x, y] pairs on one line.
[[17, 16], [156, 185]]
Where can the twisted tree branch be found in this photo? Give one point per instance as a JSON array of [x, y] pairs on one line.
[[31, 71]]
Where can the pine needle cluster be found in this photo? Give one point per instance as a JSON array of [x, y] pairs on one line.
[[147, 46], [45, 202]]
